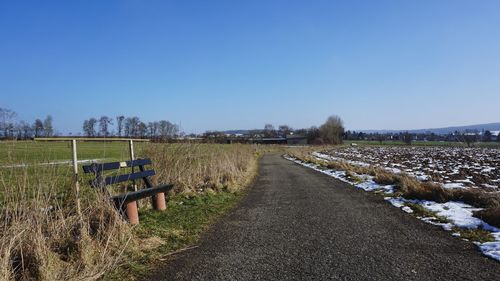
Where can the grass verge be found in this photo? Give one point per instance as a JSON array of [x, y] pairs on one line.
[[180, 226], [43, 237]]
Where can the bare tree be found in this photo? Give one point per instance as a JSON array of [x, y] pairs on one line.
[[167, 130], [284, 130], [47, 126], [314, 135], [89, 127], [269, 131], [104, 123], [131, 125], [119, 124], [7, 118], [142, 129], [24, 130], [38, 128], [153, 129], [332, 130]]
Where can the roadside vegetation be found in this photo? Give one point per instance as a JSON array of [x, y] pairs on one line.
[[410, 188], [44, 237]]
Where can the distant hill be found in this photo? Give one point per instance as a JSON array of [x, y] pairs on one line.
[[445, 130]]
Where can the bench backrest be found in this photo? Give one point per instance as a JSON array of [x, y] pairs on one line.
[[100, 182]]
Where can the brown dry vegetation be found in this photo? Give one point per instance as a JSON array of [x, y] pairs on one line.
[[411, 188], [191, 167], [491, 216], [43, 236], [42, 240]]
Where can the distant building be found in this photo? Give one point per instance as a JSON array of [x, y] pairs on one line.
[[277, 140], [296, 140]]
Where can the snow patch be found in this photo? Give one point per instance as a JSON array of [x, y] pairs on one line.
[[458, 213]]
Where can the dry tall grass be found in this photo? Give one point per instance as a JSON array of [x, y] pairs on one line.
[[44, 238], [191, 167]]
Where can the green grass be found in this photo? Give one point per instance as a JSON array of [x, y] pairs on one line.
[[176, 228], [476, 235], [30, 152], [420, 211], [36, 154]]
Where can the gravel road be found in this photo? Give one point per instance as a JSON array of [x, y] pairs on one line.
[[298, 224]]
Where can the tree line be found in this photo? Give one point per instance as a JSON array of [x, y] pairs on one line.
[[10, 128], [104, 126], [129, 127]]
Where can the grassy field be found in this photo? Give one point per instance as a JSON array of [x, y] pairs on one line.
[[31, 152], [39, 162], [43, 237]]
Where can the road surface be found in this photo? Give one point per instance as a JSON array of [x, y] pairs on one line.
[[298, 224]]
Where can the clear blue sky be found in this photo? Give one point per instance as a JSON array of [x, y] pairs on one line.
[[240, 64]]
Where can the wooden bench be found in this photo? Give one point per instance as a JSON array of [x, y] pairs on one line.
[[126, 203]]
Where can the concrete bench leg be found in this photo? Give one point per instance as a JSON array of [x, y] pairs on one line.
[[132, 213], [159, 202]]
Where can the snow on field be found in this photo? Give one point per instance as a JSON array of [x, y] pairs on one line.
[[453, 167], [458, 214]]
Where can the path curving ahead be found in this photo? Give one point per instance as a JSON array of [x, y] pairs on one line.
[[298, 224]]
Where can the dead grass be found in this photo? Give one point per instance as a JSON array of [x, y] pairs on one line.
[[43, 240], [410, 188], [43, 237], [384, 178], [407, 186], [192, 167], [353, 177], [491, 216]]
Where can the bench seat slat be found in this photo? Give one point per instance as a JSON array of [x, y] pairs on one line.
[[95, 168], [128, 177], [140, 194]]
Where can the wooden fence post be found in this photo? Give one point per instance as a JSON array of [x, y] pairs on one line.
[[75, 177], [132, 158]]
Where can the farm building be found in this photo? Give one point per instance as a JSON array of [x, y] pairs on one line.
[[289, 139], [296, 140]]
